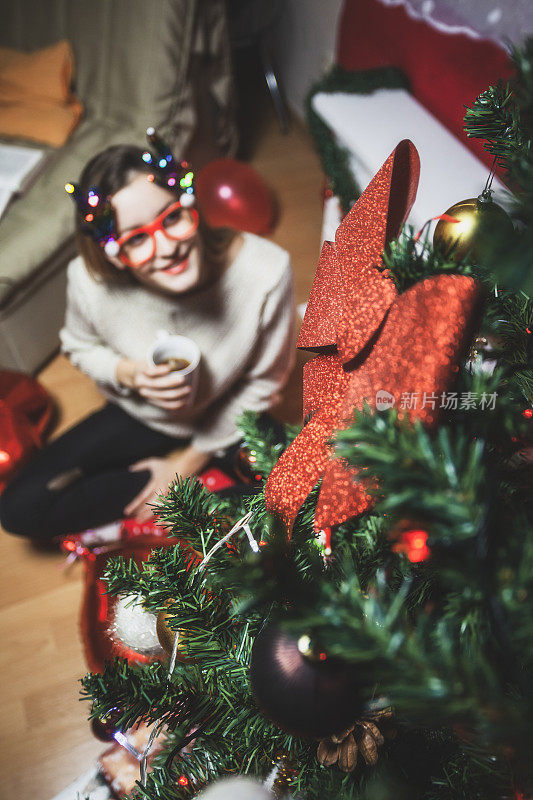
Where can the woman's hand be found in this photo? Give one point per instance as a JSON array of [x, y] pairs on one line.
[[159, 385], [163, 472]]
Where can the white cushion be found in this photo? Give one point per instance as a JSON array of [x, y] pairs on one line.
[[370, 127]]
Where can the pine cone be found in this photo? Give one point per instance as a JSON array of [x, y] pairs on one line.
[[372, 729], [369, 748], [348, 754], [327, 752], [364, 737], [337, 738]]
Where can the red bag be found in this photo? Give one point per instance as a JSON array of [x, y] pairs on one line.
[[25, 412]]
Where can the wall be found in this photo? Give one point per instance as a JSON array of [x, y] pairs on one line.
[[304, 46]]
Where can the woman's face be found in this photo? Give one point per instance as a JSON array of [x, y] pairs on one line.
[[176, 265]]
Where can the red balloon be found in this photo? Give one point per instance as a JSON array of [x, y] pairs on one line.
[[233, 194]]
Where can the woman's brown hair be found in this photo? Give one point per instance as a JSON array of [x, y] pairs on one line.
[[111, 170]]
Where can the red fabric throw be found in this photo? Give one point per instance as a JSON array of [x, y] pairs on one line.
[[446, 71], [25, 412]]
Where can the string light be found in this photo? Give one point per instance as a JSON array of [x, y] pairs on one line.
[[242, 523], [413, 544], [5, 458], [187, 180]]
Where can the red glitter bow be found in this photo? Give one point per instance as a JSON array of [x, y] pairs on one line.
[[370, 340]]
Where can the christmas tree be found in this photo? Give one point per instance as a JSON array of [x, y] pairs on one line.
[[361, 626]]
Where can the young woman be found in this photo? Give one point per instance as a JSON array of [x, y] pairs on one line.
[[149, 262]]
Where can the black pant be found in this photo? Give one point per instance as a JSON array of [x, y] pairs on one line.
[[81, 480]]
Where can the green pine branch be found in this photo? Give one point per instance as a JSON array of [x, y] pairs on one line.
[[409, 259], [495, 117], [264, 445], [503, 116], [434, 481]]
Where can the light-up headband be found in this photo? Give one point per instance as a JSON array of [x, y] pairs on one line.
[[96, 212]]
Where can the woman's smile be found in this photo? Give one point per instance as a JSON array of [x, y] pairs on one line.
[[179, 264]]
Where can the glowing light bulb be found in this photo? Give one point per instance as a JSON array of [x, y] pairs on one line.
[[414, 545], [187, 180]]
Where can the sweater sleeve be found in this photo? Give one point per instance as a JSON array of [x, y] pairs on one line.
[[261, 384], [79, 338]]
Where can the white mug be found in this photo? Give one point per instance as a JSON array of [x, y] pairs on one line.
[[168, 346]]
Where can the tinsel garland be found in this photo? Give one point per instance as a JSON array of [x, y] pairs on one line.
[[336, 159]]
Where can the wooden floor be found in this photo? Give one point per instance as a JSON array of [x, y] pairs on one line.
[[45, 741]]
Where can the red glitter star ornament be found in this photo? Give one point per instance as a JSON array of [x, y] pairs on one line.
[[369, 341]]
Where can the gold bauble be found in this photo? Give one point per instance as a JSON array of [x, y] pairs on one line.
[[482, 223], [166, 635]]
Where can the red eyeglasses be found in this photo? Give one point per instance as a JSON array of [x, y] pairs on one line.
[[138, 246]]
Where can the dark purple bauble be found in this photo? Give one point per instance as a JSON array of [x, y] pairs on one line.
[[303, 696], [105, 727]]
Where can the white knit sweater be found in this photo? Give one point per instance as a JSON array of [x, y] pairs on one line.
[[243, 324]]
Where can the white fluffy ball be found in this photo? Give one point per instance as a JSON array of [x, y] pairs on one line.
[[134, 626], [240, 788]]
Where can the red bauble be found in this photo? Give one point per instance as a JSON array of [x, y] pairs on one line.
[[305, 697], [232, 194]]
